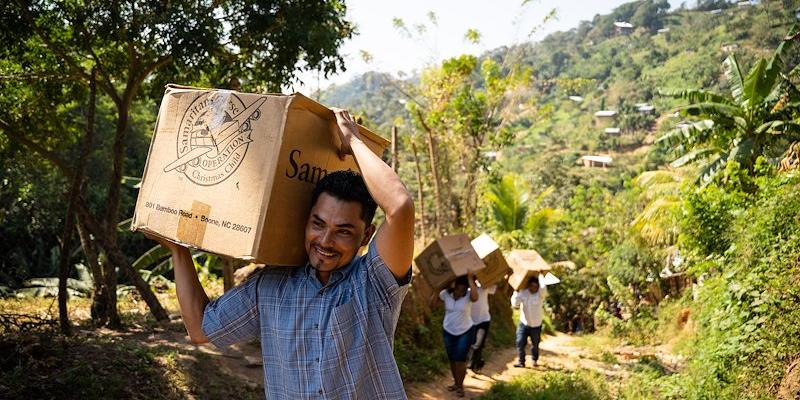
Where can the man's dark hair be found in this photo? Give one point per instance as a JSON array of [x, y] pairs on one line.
[[533, 279], [461, 280], [347, 186]]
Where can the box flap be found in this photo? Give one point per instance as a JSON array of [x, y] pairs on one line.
[[326, 113], [527, 260], [484, 245]]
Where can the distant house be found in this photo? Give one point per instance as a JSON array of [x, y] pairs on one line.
[[622, 27], [605, 118], [729, 47], [612, 131], [605, 114], [492, 155], [593, 161], [744, 4], [645, 108], [715, 12], [663, 30], [577, 99]]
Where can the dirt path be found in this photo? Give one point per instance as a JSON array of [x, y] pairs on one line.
[[241, 360], [556, 353]]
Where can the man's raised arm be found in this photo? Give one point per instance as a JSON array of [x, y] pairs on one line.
[[395, 237], [192, 299]]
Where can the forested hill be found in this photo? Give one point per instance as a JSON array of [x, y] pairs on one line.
[[609, 67]]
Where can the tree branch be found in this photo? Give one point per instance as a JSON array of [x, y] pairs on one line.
[[73, 64], [48, 155]]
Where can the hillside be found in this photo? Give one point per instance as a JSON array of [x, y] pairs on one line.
[[665, 51]]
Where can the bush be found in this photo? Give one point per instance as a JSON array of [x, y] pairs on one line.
[[747, 312]]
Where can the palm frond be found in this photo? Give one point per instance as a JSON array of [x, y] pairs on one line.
[[653, 179], [721, 111], [743, 150], [687, 132], [710, 170], [696, 96], [658, 224], [734, 74], [756, 84], [692, 156], [151, 257]]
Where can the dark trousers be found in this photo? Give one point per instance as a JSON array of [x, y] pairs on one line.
[[476, 354], [523, 333]]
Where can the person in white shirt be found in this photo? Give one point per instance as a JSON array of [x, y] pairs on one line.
[[480, 326], [530, 318], [458, 327]]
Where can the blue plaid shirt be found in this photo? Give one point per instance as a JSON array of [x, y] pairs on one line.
[[318, 341]]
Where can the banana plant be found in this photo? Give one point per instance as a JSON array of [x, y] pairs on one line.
[[756, 117]]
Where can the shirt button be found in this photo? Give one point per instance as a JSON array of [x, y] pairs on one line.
[[316, 326], [320, 391], [317, 359]]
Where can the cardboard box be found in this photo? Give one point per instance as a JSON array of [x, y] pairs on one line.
[[232, 173], [447, 258], [492, 256], [526, 264]]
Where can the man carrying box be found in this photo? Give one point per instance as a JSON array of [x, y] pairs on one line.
[[481, 318], [530, 318], [327, 328]]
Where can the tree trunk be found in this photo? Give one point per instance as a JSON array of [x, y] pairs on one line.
[[110, 275], [228, 267], [420, 193], [69, 219], [115, 183], [453, 206], [437, 194], [100, 297], [108, 232], [63, 274], [116, 257]]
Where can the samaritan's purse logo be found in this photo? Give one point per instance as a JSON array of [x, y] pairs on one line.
[[213, 137]]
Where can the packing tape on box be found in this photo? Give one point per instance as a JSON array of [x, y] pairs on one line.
[[191, 229], [461, 253]]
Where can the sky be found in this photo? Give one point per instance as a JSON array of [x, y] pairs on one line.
[[500, 22]]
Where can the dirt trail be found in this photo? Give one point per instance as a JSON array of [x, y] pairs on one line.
[[556, 353], [240, 360]]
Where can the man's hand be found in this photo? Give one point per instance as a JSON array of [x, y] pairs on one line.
[[348, 130]]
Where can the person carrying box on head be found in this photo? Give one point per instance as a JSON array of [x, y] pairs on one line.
[[480, 320], [531, 299], [326, 328], [457, 326]]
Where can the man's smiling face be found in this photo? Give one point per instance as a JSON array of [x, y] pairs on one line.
[[335, 232]]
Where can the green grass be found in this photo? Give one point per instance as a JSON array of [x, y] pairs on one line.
[[578, 385]]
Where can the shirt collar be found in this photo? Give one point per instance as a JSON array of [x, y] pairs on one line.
[[336, 275]]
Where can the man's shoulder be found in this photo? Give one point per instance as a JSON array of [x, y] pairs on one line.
[[274, 275]]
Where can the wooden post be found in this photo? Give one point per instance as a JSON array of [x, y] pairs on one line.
[[227, 273], [395, 165]]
